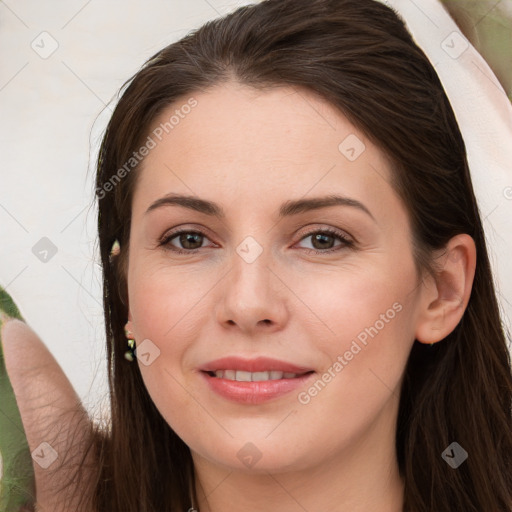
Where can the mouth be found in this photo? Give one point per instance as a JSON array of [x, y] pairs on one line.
[[254, 381], [245, 376]]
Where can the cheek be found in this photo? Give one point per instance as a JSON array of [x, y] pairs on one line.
[[163, 300], [367, 306], [366, 356], [168, 306], [365, 334]]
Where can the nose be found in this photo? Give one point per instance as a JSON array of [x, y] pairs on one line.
[[253, 296]]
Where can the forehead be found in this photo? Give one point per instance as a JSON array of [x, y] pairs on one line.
[[240, 144]]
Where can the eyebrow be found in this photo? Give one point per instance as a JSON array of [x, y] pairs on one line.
[[287, 209]]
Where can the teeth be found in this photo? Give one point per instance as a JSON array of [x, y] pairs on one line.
[[257, 376], [243, 376], [229, 374]]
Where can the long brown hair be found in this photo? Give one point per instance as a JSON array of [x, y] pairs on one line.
[[358, 55]]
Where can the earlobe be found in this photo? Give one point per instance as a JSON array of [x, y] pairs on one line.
[[444, 303]]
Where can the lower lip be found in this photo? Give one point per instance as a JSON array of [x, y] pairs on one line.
[[254, 392]]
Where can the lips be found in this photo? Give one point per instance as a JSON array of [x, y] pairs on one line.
[[254, 381]]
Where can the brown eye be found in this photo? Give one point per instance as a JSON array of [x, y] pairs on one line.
[[322, 241], [188, 239], [191, 241]]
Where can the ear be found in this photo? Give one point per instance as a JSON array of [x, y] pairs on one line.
[[446, 296]]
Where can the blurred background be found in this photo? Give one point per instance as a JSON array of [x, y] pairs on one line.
[[487, 24], [62, 64]]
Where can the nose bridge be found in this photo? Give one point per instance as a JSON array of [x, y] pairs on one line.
[[250, 293], [252, 241], [250, 266]]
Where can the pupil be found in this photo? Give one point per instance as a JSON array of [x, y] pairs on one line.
[[319, 237], [185, 239]]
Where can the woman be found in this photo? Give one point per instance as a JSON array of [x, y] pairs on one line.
[[369, 373]]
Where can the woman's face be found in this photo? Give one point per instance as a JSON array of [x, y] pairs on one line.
[[251, 286]]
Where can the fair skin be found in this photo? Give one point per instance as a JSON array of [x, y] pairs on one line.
[[249, 152]]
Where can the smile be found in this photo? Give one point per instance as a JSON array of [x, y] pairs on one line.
[[243, 376]]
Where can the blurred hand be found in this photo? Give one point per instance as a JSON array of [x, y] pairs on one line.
[[55, 422]]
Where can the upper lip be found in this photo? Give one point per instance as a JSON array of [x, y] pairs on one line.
[[259, 364]]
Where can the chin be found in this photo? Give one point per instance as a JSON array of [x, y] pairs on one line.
[[260, 456]]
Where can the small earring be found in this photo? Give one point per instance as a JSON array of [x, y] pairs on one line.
[[115, 250], [130, 353]]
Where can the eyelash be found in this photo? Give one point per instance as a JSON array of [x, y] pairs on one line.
[[346, 242]]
